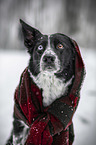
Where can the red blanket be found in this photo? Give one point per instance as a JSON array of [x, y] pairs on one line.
[[50, 125]]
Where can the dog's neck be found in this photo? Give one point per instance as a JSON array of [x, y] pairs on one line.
[[52, 86]]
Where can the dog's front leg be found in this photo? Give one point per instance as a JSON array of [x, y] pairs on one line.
[[20, 132]]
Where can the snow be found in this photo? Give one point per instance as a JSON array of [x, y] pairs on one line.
[[11, 66], [84, 118]]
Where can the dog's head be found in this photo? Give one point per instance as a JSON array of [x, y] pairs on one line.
[[52, 62], [50, 53]]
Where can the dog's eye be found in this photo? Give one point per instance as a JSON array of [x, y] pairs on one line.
[[60, 46], [40, 47]]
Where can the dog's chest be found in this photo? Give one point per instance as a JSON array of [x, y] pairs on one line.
[[52, 87]]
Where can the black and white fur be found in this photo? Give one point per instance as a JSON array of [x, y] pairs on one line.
[[53, 87], [51, 67]]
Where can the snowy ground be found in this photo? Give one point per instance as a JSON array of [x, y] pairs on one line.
[[11, 66]]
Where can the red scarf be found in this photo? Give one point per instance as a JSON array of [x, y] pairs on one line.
[[50, 125]]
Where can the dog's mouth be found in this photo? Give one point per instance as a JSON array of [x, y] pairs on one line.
[[49, 67]]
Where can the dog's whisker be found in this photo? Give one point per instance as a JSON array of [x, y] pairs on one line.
[[34, 60], [37, 66]]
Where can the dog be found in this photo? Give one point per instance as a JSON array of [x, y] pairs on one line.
[[56, 69]]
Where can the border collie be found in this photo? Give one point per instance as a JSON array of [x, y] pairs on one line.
[[51, 67]]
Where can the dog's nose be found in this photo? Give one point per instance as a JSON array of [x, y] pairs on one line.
[[49, 59]]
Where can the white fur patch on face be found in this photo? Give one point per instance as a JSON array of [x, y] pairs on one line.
[[49, 51], [53, 87]]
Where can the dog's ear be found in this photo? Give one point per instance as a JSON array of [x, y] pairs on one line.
[[30, 35]]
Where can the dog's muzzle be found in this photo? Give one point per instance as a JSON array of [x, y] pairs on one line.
[[49, 59], [49, 63]]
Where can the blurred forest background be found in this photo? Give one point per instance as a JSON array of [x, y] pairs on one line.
[[75, 18]]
